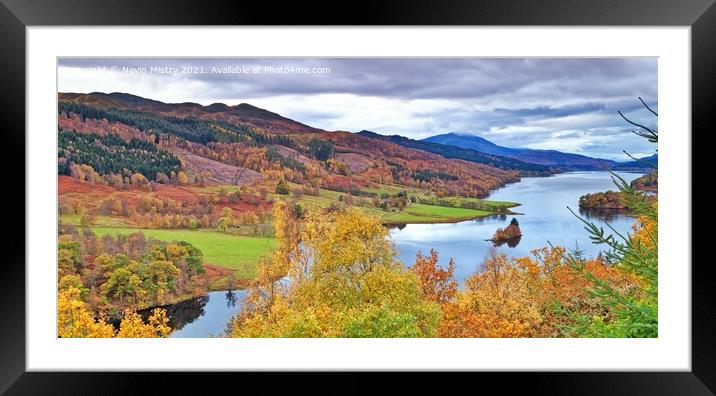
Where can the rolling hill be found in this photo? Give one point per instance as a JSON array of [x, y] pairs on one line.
[[219, 143], [222, 143], [244, 113], [464, 153], [552, 158]]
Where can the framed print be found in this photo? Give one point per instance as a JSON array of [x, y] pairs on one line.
[[476, 188]]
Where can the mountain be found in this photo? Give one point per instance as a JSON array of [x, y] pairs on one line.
[[218, 143], [473, 142], [552, 158], [565, 161], [467, 154], [640, 163], [124, 134], [244, 113]]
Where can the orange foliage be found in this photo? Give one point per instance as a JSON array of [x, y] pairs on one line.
[[102, 127], [438, 284], [525, 297], [396, 164]]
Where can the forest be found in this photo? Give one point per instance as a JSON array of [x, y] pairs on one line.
[[161, 203], [649, 181], [602, 200], [111, 155], [346, 282]]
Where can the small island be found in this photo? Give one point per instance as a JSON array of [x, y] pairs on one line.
[[602, 200], [647, 182], [510, 235]]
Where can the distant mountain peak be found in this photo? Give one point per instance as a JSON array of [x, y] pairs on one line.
[[552, 158], [467, 154]]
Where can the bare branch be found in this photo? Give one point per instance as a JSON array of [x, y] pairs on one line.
[[647, 107], [640, 160], [635, 124]]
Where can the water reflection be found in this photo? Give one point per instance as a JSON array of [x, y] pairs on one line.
[[512, 242], [602, 214], [182, 313], [231, 299], [479, 220], [205, 316]]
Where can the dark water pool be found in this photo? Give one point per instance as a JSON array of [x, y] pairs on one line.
[[206, 316]]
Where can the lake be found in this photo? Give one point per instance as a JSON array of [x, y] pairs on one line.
[[204, 316], [544, 219]]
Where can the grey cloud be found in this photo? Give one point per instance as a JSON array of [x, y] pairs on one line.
[[490, 96], [415, 78]]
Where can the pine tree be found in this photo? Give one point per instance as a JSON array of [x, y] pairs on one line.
[[632, 312]]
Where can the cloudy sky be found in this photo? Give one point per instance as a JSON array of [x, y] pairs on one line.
[[550, 103]]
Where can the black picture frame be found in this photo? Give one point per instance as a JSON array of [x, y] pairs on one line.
[[16, 15]]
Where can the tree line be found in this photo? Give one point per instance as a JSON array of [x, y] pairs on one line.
[[110, 154], [124, 271], [345, 281], [190, 128]]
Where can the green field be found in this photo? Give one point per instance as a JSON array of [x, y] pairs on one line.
[[421, 193], [240, 253], [418, 213], [415, 213]]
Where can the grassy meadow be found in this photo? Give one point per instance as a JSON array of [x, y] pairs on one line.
[[239, 253]]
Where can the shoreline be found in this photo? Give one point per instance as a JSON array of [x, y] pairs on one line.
[[454, 219]]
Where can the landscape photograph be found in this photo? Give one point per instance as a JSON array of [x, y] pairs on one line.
[[357, 197]]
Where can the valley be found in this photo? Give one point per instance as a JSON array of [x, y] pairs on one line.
[[208, 175], [174, 205]]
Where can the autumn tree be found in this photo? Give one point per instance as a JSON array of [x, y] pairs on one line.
[[132, 325], [139, 179], [282, 187], [75, 320], [182, 178], [226, 220], [438, 284], [128, 270], [343, 281], [495, 303]]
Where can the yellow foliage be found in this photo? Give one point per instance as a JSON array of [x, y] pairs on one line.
[[76, 320], [344, 281], [176, 252], [132, 325], [646, 230]]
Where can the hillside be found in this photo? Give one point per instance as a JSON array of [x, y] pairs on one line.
[[467, 154], [647, 182], [244, 113], [246, 145], [552, 158], [642, 163]]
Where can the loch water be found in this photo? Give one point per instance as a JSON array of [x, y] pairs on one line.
[[543, 219]]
